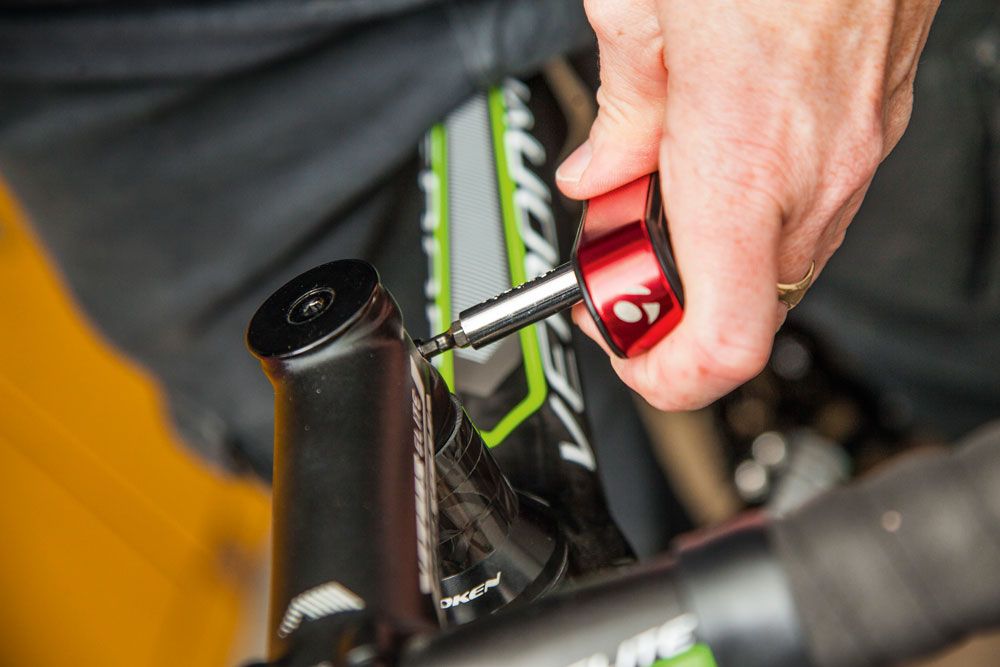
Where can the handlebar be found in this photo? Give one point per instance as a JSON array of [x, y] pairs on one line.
[[722, 602], [895, 567], [902, 564]]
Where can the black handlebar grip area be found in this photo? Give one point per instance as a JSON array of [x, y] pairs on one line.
[[354, 535], [736, 588], [902, 564]]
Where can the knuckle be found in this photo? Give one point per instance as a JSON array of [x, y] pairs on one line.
[[664, 403], [836, 239], [610, 104], [897, 117], [867, 155], [729, 359], [674, 402], [860, 155], [625, 23], [661, 393], [711, 369], [755, 171], [604, 18], [624, 115]]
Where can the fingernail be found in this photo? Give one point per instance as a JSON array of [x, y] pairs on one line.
[[571, 170]]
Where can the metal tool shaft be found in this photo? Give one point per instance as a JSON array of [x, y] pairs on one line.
[[506, 313]]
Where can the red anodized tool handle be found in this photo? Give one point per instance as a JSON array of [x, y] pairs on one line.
[[625, 267]]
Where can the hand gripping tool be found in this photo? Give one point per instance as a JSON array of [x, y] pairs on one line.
[[622, 268]]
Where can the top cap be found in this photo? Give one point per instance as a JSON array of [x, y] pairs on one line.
[[312, 308]]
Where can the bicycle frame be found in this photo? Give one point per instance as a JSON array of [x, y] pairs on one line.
[[373, 457]]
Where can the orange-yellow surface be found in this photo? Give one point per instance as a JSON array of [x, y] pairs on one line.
[[117, 545]]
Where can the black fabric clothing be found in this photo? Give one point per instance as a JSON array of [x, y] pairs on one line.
[[131, 42], [912, 298], [177, 179], [182, 159]]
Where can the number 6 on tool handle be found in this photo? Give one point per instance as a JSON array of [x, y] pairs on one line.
[[625, 266]]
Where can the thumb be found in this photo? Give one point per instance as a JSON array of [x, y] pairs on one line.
[[624, 140]]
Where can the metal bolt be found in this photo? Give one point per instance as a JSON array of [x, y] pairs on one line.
[[310, 305]]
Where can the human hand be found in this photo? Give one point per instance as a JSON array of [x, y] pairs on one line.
[[767, 132]]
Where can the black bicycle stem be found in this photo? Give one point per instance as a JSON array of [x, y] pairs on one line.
[[390, 515], [391, 520]]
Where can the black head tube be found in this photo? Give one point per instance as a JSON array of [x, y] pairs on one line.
[[354, 535], [496, 546], [369, 445]]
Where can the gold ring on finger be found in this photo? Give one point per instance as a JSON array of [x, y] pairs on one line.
[[791, 294]]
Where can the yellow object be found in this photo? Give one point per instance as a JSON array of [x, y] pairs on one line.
[[117, 545]]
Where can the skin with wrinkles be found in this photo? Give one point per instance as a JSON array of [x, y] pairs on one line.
[[766, 120]]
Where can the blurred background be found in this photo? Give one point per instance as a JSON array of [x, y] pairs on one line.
[[122, 547], [160, 174]]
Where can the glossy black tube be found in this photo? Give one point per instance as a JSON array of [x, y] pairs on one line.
[[354, 533], [726, 594], [904, 563]]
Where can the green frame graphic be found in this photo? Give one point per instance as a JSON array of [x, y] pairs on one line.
[[698, 655], [530, 350], [441, 268]]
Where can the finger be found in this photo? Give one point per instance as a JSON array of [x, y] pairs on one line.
[[624, 140], [782, 315], [817, 237], [725, 233], [582, 318]]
